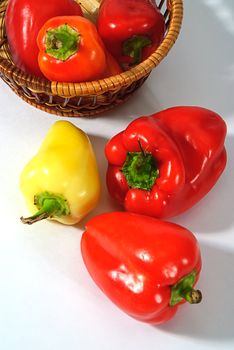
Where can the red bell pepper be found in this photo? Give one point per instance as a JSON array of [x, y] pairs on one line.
[[146, 266], [71, 50], [112, 66], [163, 164], [130, 29], [23, 20]]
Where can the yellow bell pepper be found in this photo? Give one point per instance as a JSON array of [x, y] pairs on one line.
[[61, 182]]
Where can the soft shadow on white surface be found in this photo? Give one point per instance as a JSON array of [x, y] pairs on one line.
[[105, 204], [222, 9], [213, 319], [195, 72], [60, 247], [142, 102]]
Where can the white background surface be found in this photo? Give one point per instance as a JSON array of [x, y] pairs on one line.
[[47, 299]]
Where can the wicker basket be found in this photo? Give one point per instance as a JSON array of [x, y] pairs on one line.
[[91, 98]]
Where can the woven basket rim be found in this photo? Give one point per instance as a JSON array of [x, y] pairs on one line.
[[108, 84]]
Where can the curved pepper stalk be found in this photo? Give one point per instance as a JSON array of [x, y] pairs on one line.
[[183, 290], [49, 206]]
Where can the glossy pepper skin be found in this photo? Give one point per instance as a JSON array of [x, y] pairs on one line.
[[146, 266], [130, 29], [163, 164], [24, 19], [112, 66], [70, 50], [61, 182]]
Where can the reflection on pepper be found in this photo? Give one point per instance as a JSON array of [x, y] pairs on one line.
[[146, 266], [163, 164]]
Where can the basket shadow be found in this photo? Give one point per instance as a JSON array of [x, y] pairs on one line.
[[142, 102], [213, 318]]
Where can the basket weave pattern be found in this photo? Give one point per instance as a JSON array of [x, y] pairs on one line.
[[89, 98]]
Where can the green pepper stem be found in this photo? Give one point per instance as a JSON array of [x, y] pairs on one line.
[[183, 290], [140, 169], [193, 296], [62, 42], [133, 47], [49, 205]]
